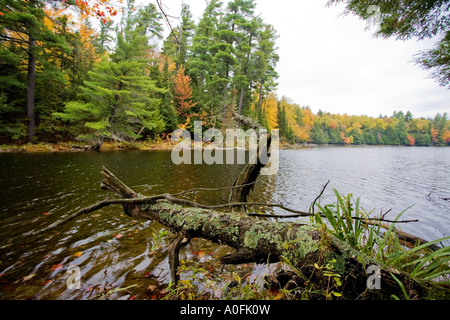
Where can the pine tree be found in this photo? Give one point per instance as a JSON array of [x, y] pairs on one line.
[[22, 27], [163, 71], [117, 102], [201, 65], [265, 61], [245, 54], [229, 51], [178, 44], [12, 93], [283, 124], [102, 41]]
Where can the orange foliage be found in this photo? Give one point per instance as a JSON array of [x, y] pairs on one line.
[[303, 132], [73, 25], [345, 139], [101, 9], [183, 94], [271, 110], [411, 140], [446, 135], [434, 134]]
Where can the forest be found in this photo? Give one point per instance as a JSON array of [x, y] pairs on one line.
[[67, 77], [89, 74]]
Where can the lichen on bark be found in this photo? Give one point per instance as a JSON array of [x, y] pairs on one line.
[[257, 237]]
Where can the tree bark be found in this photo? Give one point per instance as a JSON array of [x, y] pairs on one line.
[[245, 182], [30, 88], [241, 100], [306, 248], [255, 240]]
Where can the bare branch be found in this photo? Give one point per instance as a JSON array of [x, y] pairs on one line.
[[320, 194], [170, 198], [166, 18]]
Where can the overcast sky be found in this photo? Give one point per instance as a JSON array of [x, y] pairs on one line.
[[330, 62]]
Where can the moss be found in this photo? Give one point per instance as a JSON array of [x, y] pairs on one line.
[[303, 243], [197, 220], [166, 212], [287, 239], [259, 232]]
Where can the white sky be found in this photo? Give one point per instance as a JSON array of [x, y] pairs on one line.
[[330, 62]]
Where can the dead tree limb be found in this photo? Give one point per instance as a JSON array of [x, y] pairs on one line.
[[250, 173], [174, 255], [254, 240], [303, 245], [320, 194]]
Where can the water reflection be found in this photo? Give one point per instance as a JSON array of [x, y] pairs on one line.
[[113, 250]]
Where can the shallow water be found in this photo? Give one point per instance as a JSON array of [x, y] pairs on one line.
[[115, 251]]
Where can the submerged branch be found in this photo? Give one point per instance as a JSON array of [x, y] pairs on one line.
[[170, 197], [301, 245]]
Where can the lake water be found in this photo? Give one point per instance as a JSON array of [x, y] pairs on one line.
[[113, 250]]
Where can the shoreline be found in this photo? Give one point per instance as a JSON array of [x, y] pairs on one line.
[[165, 145], [48, 147]]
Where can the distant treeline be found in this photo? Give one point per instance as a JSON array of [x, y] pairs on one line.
[[299, 125]]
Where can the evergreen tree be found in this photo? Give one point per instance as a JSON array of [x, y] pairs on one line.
[[283, 125], [24, 34], [163, 70], [178, 43], [401, 135], [148, 21], [201, 65], [12, 93], [231, 48], [265, 62], [117, 102], [245, 55], [102, 42]]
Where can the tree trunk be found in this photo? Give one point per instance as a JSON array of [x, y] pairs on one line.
[[30, 89], [260, 95], [245, 182], [306, 248], [241, 101]]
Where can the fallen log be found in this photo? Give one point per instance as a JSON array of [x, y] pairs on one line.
[[308, 250], [301, 245], [313, 254]]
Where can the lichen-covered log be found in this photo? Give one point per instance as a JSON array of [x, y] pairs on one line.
[[254, 240], [303, 246]]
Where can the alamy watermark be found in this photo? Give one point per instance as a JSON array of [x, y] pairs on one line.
[[74, 279], [229, 150], [374, 279], [374, 16]]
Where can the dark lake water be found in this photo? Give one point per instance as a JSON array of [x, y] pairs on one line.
[[113, 250]]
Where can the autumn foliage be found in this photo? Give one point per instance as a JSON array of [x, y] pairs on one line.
[[101, 9], [193, 78], [183, 95], [411, 140]]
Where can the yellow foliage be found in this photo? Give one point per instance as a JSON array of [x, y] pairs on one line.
[[162, 59], [271, 110]]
